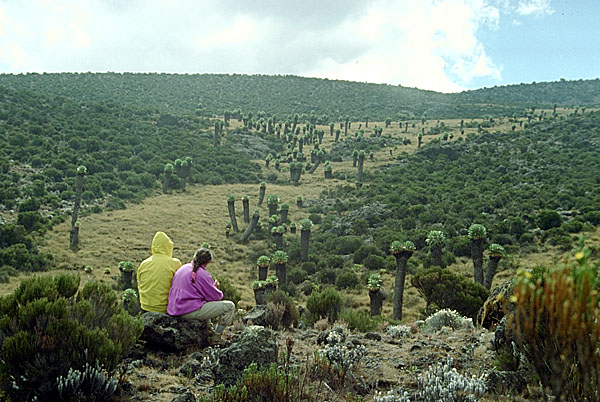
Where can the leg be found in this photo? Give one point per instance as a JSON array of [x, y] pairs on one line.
[[223, 309]]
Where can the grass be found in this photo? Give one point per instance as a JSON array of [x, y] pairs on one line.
[[200, 214]]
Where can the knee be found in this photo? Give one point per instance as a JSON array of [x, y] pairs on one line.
[[230, 306]]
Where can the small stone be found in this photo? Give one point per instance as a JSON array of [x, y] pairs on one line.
[[373, 336]]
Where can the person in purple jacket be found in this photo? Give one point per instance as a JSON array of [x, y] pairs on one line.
[[195, 295]]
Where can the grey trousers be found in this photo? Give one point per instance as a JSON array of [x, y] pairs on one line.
[[223, 310]]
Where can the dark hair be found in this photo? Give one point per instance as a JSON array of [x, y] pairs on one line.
[[201, 257]]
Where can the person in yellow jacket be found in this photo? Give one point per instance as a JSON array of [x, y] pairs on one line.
[[154, 275]]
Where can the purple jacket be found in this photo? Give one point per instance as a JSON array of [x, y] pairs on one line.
[[186, 296]]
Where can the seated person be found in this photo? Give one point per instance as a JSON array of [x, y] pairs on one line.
[[155, 273], [195, 295]]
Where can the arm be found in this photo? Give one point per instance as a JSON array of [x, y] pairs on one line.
[[205, 286]]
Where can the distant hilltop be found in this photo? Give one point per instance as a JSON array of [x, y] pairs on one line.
[[282, 95]]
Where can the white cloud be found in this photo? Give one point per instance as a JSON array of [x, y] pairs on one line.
[[430, 44], [534, 7]]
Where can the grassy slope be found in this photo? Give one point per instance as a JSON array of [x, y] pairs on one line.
[[200, 214]]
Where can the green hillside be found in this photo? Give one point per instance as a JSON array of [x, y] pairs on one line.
[[210, 94]]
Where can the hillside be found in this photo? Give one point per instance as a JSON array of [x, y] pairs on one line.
[[282, 96], [531, 179]]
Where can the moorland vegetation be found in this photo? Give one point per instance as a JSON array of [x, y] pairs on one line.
[[515, 171]]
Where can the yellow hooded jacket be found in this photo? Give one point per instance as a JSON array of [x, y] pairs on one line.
[[155, 274]]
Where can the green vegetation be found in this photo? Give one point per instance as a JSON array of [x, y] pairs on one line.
[[51, 333]]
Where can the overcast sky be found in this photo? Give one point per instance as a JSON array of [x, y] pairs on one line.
[[442, 45]]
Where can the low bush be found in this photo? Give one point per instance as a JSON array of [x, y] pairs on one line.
[[359, 320], [347, 279], [324, 304], [446, 289], [374, 262], [229, 291], [290, 315], [61, 344]]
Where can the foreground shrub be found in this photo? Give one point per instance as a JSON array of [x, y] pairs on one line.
[[359, 320], [324, 304], [447, 318], [289, 315], [446, 289], [440, 383], [60, 344], [556, 327]]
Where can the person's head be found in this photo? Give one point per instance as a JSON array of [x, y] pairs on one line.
[[202, 256]]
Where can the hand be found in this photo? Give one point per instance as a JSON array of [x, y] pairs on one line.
[[217, 284]]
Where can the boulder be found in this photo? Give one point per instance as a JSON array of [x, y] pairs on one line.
[[497, 305], [255, 344], [173, 333], [256, 316]]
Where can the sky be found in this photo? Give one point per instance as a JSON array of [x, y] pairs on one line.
[[440, 45]]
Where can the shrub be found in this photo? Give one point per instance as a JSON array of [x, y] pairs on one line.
[[347, 279], [296, 275], [460, 246], [448, 290], [374, 262], [327, 276], [60, 344], [398, 331], [359, 320], [290, 315], [573, 226], [229, 291], [556, 327], [325, 304], [348, 244], [315, 218], [447, 318], [548, 219], [443, 383], [309, 267], [363, 252]]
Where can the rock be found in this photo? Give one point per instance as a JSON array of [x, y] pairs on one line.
[[255, 344], [190, 368], [497, 305], [256, 315], [373, 336], [172, 333], [187, 397]]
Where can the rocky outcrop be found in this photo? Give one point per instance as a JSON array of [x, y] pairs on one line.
[[255, 344], [172, 333], [497, 305]]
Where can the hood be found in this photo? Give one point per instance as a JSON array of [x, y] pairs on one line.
[[161, 244]]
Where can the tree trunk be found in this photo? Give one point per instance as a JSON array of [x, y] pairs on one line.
[[477, 255], [261, 195], [315, 166], [74, 238], [293, 229], [304, 240], [491, 271], [328, 174], [166, 181], [272, 210], [436, 257], [284, 215], [127, 276], [261, 295], [250, 228], [231, 207], [246, 205], [280, 271], [376, 301], [401, 260], [337, 136], [354, 160], [359, 177], [262, 272], [278, 239], [299, 203], [79, 189]]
